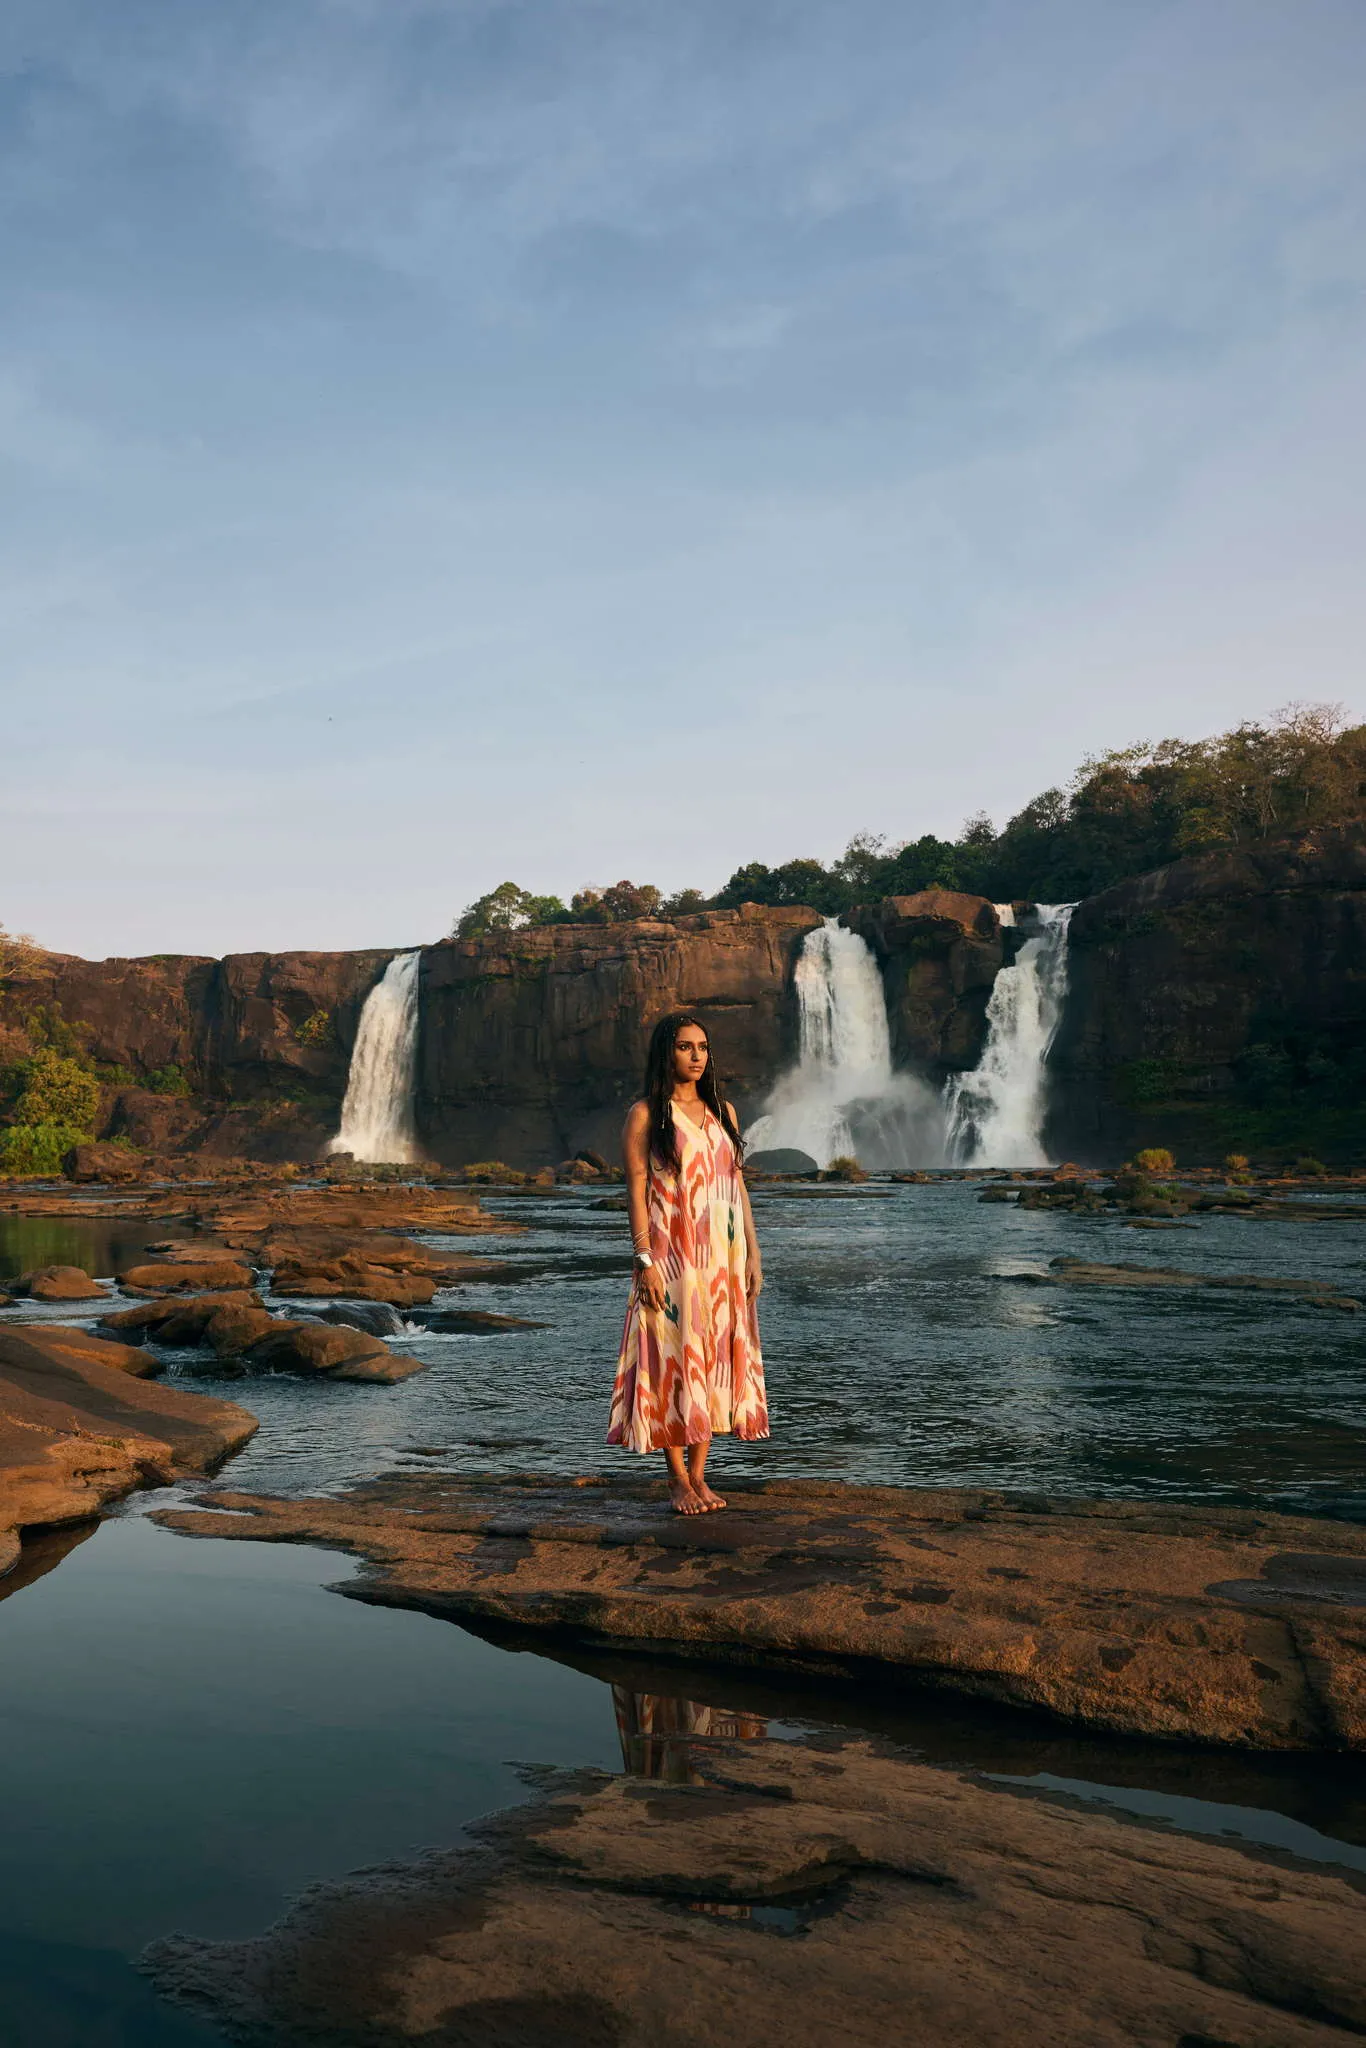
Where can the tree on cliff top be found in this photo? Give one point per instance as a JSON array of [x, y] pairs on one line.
[[19, 953], [507, 908]]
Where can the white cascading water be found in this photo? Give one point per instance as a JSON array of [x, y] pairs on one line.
[[842, 1097], [996, 1112], [377, 1115]]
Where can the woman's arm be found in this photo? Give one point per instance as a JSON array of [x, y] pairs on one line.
[[635, 1147], [754, 1265]]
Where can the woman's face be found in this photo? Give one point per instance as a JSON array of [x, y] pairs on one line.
[[690, 1053]]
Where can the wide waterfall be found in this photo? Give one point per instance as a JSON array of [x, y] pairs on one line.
[[996, 1112], [842, 1097], [377, 1115]]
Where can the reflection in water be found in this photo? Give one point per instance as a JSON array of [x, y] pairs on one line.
[[656, 1731]]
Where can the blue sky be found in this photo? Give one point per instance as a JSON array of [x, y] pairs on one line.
[[444, 440]]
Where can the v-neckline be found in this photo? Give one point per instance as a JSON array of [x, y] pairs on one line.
[[691, 1122]]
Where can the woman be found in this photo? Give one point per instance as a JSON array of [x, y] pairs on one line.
[[690, 1366]]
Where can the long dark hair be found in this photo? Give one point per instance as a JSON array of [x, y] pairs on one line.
[[659, 1088]]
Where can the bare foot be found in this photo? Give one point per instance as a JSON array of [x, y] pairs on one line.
[[709, 1500], [683, 1500]]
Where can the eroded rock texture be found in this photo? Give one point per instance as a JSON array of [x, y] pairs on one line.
[[79, 1427], [804, 1894], [1219, 1625]]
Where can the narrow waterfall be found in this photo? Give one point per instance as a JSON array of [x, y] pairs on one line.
[[377, 1115], [842, 1097], [996, 1112]]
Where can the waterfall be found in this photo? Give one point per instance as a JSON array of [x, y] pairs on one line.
[[842, 1097], [377, 1115], [996, 1112]]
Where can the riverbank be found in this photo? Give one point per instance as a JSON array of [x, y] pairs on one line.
[[1217, 1626], [77, 1434]]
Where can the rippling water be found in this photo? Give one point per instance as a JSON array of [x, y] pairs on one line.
[[900, 1348]]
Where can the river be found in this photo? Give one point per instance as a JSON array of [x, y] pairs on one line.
[[191, 1731]]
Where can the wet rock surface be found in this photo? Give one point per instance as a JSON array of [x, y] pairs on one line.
[[1109, 1614], [818, 1892], [59, 1283], [78, 1429], [1073, 1272]]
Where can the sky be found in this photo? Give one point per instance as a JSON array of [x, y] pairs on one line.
[[448, 441]]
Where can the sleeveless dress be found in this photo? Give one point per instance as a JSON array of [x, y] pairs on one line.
[[693, 1368]]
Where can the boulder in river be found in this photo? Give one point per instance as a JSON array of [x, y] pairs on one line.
[[781, 1159], [96, 1162], [60, 1283], [330, 1352], [166, 1312], [180, 1277], [106, 1351], [376, 1318]]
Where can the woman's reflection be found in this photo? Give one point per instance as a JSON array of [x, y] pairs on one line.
[[656, 1731]]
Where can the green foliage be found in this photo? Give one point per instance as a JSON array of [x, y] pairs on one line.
[[316, 1030], [52, 1088], [1124, 813], [1307, 1165], [1154, 1159], [617, 905], [508, 908], [112, 1075], [1137, 1083], [46, 1026], [846, 1167], [167, 1080], [36, 1150]]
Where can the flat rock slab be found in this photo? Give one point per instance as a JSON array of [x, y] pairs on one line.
[[928, 1908], [1071, 1272], [1135, 1619], [76, 1433]]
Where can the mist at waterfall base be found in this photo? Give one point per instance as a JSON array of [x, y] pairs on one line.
[[844, 1098], [377, 1122]]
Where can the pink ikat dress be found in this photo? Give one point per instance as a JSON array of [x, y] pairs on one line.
[[692, 1369]]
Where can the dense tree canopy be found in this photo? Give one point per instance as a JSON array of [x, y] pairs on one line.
[[1124, 814]]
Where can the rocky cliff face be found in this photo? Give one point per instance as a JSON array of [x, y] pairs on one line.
[[532, 1042], [245, 1055], [940, 953], [1220, 1003]]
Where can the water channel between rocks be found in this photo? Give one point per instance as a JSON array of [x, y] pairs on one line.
[[192, 1731]]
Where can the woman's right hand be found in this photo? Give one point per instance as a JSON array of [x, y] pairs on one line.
[[651, 1283]]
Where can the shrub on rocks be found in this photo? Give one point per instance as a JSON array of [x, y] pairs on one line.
[[36, 1151], [846, 1167], [1155, 1159]]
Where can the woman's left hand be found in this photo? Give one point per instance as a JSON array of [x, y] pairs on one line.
[[754, 1280]]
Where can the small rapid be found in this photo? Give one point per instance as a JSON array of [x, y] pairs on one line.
[[377, 1122]]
